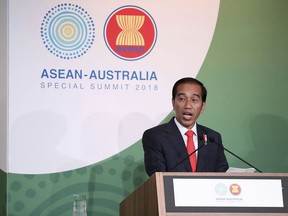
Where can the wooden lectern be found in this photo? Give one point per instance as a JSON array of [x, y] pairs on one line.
[[236, 194]]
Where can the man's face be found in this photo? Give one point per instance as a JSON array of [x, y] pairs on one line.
[[188, 104]]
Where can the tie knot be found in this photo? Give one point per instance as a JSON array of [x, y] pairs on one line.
[[189, 133]]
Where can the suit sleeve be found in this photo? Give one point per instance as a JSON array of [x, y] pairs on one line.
[[154, 159]]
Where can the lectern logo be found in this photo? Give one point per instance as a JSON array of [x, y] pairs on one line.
[[130, 33], [67, 31], [235, 189], [221, 189]]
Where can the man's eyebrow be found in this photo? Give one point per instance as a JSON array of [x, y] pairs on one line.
[[197, 95], [180, 94]]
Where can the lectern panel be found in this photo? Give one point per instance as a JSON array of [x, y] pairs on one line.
[[226, 194], [220, 194]]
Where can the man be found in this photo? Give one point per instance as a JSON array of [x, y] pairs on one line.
[[165, 145]]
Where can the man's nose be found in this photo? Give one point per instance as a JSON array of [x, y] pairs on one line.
[[188, 103]]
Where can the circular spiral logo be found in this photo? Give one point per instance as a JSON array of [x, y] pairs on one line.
[[67, 31], [221, 189]]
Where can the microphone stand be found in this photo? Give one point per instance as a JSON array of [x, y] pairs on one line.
[[221, 146], [240, 159], [187, 157]]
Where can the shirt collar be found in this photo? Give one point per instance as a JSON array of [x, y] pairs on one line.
[[183, 130]]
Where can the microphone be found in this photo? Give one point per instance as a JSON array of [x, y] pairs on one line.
[[211, 139], [205, 143]]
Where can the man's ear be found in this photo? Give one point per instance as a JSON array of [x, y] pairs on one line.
[[203, 107], [173, 103]]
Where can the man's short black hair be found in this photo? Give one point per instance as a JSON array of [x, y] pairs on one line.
[[192, 81]]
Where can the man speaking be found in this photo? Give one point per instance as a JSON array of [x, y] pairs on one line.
[[182, 145]]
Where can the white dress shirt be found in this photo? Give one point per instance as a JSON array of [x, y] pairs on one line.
[[183, 130]]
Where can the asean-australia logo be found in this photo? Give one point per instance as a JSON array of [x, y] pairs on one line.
[[130, 33], [67, 31]]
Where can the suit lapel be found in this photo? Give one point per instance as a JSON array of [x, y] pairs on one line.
[[201, 133], [176, 140]]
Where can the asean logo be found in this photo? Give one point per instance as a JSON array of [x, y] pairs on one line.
[[130, 33], [235, 189], [67, 31]]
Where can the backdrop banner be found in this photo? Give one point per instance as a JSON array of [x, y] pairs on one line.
[[88, 77], [82, 80]]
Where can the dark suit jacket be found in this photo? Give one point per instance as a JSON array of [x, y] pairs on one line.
[[164, 149]]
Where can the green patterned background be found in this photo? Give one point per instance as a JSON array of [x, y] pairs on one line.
[[246, 73]]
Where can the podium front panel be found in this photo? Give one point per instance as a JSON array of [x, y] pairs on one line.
[[247, 193]]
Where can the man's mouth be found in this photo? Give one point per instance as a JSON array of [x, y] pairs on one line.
[[188, 114]]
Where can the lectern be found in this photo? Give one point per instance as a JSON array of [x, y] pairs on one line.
[[207, 194]]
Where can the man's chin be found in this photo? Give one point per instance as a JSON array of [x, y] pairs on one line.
[[187, 123]]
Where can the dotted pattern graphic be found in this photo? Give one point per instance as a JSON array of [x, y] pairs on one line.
[[105, 185], [67, 31]]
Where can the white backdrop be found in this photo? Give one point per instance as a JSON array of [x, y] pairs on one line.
[[55, 128]]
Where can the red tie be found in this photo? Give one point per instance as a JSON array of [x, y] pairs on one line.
[[191, 148]]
